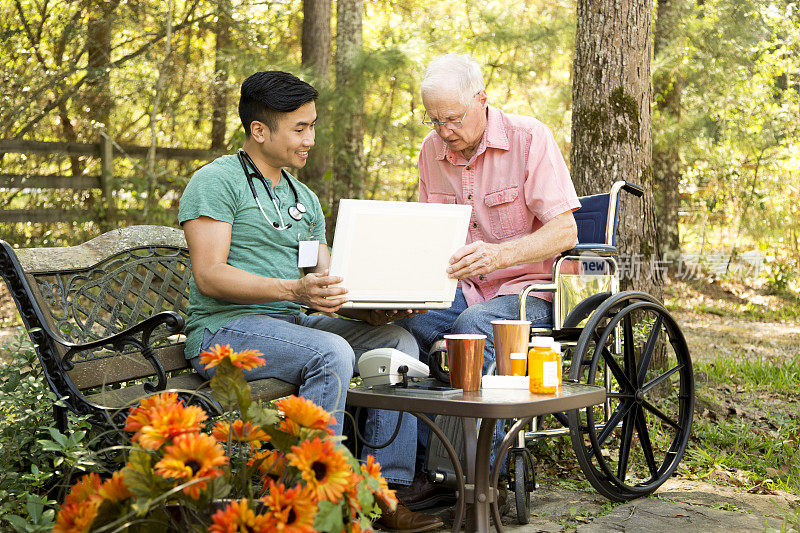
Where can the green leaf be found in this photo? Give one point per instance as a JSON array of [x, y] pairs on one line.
[[35, 507], [329, 518], [18, 522], [58, 437], [229, 387]]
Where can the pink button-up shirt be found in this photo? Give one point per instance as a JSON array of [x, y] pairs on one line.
[[515, 182]]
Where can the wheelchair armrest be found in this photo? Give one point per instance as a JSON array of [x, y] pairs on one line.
[[603, 250]]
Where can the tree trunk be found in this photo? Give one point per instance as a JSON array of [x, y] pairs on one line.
[[98, 96], [150, 160], [611, 125], [316, 58], [219, 86], [348, 153], [667, 82]]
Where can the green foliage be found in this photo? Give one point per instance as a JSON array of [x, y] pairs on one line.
[[35, 458]]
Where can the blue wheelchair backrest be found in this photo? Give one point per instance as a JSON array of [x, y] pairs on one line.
[[592, 220]]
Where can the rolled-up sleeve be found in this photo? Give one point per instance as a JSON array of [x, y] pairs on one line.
[[548, 188]]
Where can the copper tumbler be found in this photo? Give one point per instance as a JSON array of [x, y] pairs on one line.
[[510, 336], [465, 357]]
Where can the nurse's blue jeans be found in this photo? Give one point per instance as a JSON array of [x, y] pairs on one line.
[[319, 353], [428, 327]]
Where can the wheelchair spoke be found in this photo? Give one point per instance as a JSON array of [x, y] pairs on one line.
[[625, 443], [655, 381], [649, 348], [656, 411], [613, 421], [629, 351], [644, 439], [618, 373]]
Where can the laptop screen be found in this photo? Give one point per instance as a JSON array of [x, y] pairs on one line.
[[397, 251]]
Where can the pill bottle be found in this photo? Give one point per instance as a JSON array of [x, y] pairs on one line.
[[518, 363], [559, 361], [542, 366]]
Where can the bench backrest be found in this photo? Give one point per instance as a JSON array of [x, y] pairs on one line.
[[103, 286]]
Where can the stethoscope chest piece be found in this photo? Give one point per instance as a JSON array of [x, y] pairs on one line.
[[296, 211]]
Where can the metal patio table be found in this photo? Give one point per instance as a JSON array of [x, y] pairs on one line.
[[479, 486]]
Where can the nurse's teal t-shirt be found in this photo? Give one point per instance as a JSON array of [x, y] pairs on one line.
[[220, 191]]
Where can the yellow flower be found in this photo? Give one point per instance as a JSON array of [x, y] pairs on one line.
[[290, 510], [191, 457], [240, 431], [324, 468], [167, 422], [237, 517], [301, 412], [246, 359], [372, 469], [114, 489]]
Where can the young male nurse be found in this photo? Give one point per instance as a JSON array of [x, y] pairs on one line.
[[256, 238]]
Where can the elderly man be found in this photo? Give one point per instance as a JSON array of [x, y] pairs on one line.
[[509, 169]]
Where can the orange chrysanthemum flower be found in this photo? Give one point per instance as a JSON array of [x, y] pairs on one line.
[[84, 489], [167, 422], [76, 517], [246, 359], [372, 469], [140, 415], [240, 431], [191, 457], [80, 506], [269, 463], [114, 489], [324, 468], [290, 510], [237, 517], [301, 412]]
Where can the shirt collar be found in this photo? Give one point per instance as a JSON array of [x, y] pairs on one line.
[[494, 136]]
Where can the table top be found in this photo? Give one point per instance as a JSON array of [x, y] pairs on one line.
[[484, 403]]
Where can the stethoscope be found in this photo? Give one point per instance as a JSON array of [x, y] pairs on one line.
[[296, 211]]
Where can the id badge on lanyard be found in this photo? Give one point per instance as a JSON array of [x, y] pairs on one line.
[[308, 249]]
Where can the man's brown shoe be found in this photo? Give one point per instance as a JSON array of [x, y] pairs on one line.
[[422, 494], [405, 521]]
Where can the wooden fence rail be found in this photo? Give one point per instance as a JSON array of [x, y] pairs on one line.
[[106, 151]]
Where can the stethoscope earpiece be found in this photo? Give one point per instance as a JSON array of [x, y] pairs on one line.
[[296, 211]]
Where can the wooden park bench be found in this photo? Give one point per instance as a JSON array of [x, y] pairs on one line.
[[105, 318]]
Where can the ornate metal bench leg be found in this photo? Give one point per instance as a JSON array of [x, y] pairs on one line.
[[60, 416]]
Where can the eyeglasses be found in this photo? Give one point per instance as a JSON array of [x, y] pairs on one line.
[[449, 124]]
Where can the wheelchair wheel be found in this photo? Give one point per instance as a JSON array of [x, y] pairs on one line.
[[523, 484], [630, 445]]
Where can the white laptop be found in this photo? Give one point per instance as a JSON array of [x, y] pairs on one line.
[[394, 255]]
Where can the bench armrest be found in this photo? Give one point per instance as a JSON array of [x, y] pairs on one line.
[[170, 319]]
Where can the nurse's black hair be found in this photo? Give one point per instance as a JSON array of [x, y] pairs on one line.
[[266, 95]]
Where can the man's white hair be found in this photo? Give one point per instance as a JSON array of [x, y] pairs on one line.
[[454, 72]]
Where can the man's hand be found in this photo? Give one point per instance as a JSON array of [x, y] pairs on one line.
[[474, 259], [379, 317], [314, 290]]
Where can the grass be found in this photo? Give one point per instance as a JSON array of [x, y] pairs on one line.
[[759, 374]]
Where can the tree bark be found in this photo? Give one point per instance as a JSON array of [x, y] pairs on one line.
[[219, 86], [150, 160], [98, 80], [611, 137], [667, 169], [348, 153], [316, 58]]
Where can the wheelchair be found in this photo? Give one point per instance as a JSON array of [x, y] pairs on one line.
[[626, 342]]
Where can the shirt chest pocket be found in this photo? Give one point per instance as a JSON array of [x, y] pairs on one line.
[[441, 198], [506, 212]]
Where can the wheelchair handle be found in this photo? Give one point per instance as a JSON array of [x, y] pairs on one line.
[[633, 188]]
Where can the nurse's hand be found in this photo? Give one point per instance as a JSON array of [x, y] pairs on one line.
[[316, 290], [379, 317], [474, 259]]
